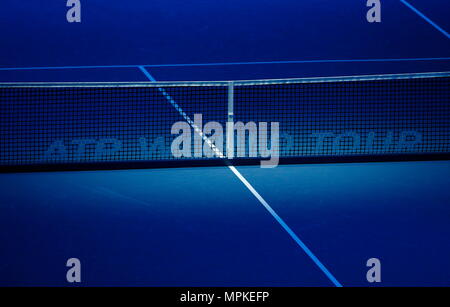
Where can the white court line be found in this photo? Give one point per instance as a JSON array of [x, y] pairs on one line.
[[421, 15], [247, 184]]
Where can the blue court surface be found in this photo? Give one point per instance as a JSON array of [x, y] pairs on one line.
[[294, 225]]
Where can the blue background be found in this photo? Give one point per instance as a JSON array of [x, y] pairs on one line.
[[202, 227]]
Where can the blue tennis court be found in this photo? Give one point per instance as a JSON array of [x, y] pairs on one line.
[[293, 225]]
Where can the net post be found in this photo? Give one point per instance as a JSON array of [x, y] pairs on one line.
[[230, 121]]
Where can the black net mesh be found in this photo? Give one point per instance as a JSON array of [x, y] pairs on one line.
[[84, 124]]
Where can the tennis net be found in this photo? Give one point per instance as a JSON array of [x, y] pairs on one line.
[[368, 116]]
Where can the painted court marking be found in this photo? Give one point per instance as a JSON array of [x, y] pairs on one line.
[[229, 64], [255, 193], [425, 18]]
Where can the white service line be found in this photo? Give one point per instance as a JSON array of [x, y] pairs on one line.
[[247, 184]]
